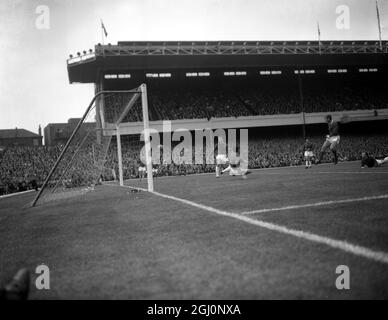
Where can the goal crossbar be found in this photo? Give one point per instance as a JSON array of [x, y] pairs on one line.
[[127, 108]]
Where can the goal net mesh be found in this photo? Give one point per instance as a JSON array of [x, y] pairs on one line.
[[89, 157]]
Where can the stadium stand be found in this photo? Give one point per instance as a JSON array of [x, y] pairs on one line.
[[258, 97]]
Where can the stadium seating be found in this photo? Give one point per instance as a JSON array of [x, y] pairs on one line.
[[231, 98], [228, 99]]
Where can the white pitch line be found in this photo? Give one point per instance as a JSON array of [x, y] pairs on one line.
[[316, 204], [357, 250], [15, 194], [353, 172], [129, 187]]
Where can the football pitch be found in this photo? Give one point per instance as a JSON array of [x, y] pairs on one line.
[[279, 234]]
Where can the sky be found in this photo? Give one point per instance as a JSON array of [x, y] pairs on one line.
[[34, 45]]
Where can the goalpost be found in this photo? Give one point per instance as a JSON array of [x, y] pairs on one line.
[[144, 103], [81, 161]]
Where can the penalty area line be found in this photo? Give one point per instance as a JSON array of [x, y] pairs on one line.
[[345, 246]]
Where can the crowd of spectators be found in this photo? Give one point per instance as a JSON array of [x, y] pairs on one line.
[[219, 99], [263, 153], [21, 166], [199, 104], [278, 152]]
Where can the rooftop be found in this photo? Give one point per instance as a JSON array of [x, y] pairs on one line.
[[17, 133], [86, 67]]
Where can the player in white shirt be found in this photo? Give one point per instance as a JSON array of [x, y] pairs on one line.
[[142, 172], [221, 160], [234, 168], [155, 172]]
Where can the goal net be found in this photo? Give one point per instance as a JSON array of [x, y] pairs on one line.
[[93, 153]]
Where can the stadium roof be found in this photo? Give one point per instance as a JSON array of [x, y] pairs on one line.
[[86, 67], [17, 133]]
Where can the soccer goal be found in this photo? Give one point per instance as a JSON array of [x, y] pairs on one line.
[[87, 158]]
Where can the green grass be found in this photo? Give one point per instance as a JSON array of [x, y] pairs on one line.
[[111, 243]]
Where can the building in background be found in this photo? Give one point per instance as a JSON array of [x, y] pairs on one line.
[[59, 133], [20, 137]]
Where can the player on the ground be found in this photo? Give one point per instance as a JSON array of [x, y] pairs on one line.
[[370, 162], [308, 153], [236, 168], [221, 160], [332, 140]]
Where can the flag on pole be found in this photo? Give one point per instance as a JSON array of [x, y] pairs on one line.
[[379, 24], [319, 32], [319, 37], [103, 28]]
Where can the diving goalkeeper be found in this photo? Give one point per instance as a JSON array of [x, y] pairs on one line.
[[370, 162]]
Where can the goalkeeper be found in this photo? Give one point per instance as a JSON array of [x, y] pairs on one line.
[[370, 162], [221, 161], [236, 168]]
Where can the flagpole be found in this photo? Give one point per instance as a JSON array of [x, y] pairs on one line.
[[102, 32], [319, 38], [379, 25]]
